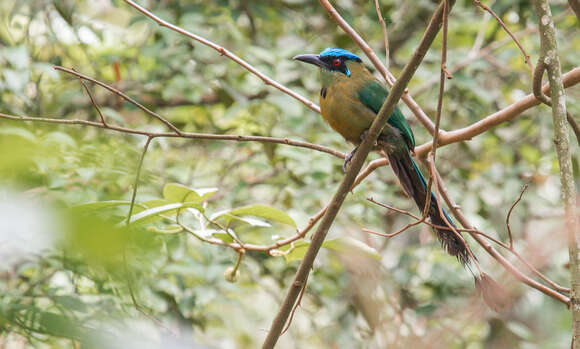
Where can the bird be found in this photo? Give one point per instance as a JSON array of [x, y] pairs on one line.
[[350, 99]]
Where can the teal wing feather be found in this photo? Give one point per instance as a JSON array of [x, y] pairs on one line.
[[373, 95]]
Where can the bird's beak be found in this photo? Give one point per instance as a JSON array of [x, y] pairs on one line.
[[312, 59]]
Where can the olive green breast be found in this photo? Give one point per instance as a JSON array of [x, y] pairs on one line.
[[340, 105]]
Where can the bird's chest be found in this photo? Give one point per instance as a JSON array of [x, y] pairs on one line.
[[343, 111]]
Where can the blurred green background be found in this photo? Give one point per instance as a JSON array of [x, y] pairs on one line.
[[75, 276]]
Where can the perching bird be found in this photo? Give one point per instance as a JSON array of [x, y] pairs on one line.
[[350, 99]]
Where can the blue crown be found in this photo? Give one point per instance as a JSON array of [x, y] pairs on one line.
[[339, 53]]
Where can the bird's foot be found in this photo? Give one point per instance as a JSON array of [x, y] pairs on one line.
[[351, 154], [348, 158], [364, 135]]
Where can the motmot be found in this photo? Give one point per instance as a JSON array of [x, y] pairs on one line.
[[350, 98]]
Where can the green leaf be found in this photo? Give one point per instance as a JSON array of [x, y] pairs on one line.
[[262, 211], [18, 132], [98, 205], [60, 138], [229, 217], [223, 237], [71, 303], [352, 246], [152, 214], [426, 309], [298, 251], [58, 325], [175, 192], [171, 229]]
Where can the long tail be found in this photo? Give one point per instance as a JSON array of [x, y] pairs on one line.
[[415, 186]]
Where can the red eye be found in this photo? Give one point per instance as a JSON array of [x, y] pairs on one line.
[[336, 62]]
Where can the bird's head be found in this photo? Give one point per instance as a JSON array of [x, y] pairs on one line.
[[331, 59]]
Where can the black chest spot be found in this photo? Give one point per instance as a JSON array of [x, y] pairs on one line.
[[323, 92]]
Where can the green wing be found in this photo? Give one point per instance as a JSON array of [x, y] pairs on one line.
[[373, 95]]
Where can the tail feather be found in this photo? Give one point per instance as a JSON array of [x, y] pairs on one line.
[[415, 186]]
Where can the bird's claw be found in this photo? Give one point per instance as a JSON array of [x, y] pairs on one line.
[[351, 154], [347, 159]]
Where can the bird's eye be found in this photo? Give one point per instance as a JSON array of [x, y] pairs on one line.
[[336, 62]]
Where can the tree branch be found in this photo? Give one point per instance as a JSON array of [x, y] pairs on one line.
[[507, 219], [575, 6], [185, 135], [549, 53], [484, 7], [385, 33]]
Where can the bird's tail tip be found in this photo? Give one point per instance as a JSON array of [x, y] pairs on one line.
[[452, 243], [492, 293]]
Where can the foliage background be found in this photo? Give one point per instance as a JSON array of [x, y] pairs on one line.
[[64, 281]]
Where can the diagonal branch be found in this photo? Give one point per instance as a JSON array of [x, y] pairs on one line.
[[484, 7], [356, 164], [385, 33], [93, 102], [442, 76]]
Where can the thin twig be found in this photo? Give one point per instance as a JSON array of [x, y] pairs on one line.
[[385, 33], [502, 24], [407, 213], [293, 312], [185, 135], [573, 125], [138, 306], [227, 53], [120, 94], [136, 182], [392, 208], [442, 76], [507, 219], [93, 102]]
